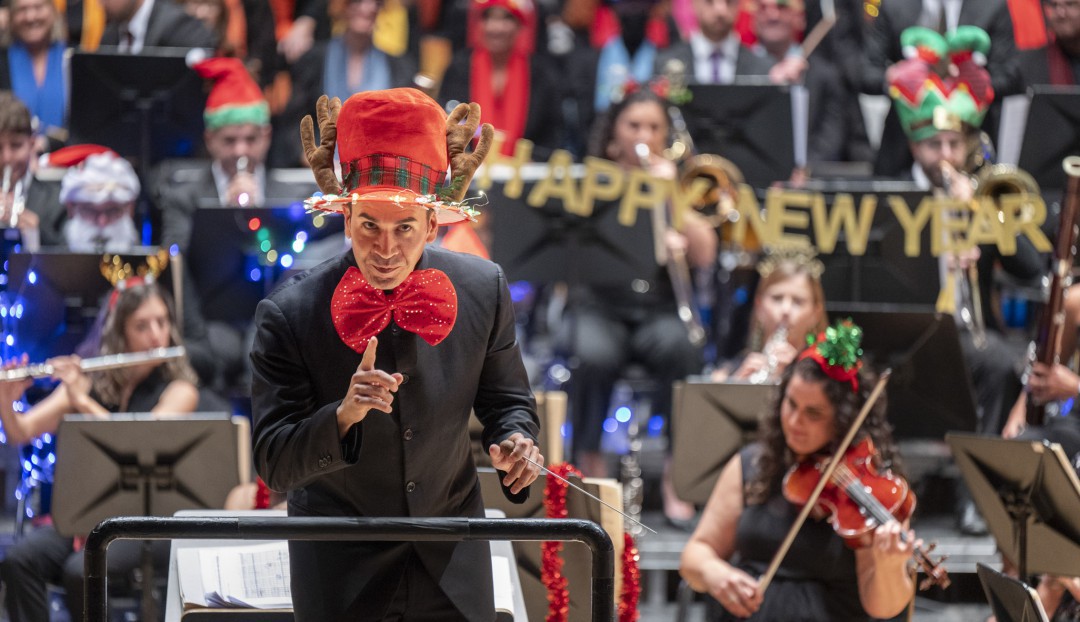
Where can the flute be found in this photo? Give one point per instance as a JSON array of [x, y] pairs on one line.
[[97, 363]]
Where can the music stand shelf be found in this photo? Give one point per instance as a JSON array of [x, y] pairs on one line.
[[1030, 497]]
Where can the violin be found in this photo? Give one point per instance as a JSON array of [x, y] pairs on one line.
[[859, 498]]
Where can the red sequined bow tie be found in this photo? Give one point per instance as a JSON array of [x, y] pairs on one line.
[[425, 303]]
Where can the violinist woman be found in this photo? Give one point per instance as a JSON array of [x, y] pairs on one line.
[[822, 578], [141, 319], [789, 305]]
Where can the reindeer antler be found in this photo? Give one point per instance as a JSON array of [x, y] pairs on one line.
[[463, 165], [321, 158]]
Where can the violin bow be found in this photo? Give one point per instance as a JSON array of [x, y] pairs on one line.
[[826, 477]]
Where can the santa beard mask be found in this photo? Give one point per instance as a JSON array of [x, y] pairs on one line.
[[118, 236]]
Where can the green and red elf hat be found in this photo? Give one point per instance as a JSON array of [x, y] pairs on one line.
[[928, 103], [235, 99], [837, 350]]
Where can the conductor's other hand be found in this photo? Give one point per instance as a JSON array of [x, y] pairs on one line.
[[507, 456], [369, 389]]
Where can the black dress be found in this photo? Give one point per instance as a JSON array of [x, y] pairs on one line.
[[816, 582]]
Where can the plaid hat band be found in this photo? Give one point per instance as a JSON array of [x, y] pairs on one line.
[[381, 169]]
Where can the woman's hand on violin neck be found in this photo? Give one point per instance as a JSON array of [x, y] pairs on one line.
[[734, 589], [893, 545]]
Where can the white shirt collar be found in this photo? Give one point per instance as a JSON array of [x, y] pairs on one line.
[[139, 24], [920, 178], [703, 49]]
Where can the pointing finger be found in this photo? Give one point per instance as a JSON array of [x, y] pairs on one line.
[[368, 362]]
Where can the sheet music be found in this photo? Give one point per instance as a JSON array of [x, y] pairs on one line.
[[504, 590], [252, 576]]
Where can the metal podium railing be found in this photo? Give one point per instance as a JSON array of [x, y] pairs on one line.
[[356, 529]]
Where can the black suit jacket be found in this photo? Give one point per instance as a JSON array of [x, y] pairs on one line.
[[883, 42], [747, 63], [1035, 67], [185, 190], [413, 462], [169, 26]]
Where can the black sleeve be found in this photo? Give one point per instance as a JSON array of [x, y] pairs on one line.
[[295, 440], [504, 402]]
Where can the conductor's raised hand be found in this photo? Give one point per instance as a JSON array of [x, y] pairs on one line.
[[369, 389], [509, 456]]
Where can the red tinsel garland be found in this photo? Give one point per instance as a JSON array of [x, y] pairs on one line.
[[552, 563]]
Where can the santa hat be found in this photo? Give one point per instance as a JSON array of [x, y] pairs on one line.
[[235, 99], [96, 174]]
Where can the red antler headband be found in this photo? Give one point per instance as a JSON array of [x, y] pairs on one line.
[[837, 350]]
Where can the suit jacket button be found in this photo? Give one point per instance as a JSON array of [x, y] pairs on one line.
[[408, 435], [411, 486], [322, 463], [404, 378]]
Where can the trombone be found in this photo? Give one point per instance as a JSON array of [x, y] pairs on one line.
[[960, 292], [677, 267]]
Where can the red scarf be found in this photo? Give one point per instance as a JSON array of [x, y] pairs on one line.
[[507, 110]]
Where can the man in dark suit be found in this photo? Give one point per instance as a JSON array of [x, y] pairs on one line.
[[714, 54], [777, 23], [883, 51], [132, 25], [361, 399], [1058, 62], [237, 120]]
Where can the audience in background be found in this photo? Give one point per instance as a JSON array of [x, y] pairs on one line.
[[34, 69], [1058, 62], [513, 86]]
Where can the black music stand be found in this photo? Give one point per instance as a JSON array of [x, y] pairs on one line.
[[1030, 497], [749, 123], [1051, 133], [548, 244], [138, 464], [1010, 599], [147, 107], [229, 269], [60, 295], [930, 390], [711, 421]]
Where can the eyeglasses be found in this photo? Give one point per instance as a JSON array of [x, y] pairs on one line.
[[95, 213]]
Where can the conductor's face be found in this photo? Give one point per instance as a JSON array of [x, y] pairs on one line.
[[388, 240]]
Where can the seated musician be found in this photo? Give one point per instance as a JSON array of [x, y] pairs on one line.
[[140, 319], [789, 304], [747, 516], [618, 324]]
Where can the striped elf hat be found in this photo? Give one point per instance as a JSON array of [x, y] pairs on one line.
[[235, 99]]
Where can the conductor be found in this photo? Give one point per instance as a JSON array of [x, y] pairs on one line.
[[366, 369]]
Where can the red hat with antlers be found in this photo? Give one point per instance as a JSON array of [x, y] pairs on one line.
[[395, 146]]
